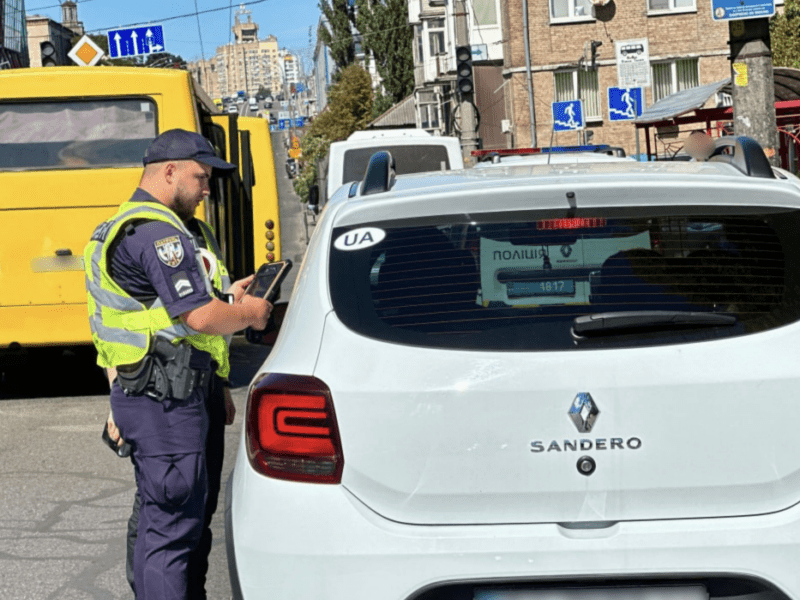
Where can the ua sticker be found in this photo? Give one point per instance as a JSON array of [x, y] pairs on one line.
[[170, 251], [182, 284], [358, 239]]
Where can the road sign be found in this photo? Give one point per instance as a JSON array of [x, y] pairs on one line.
[[284, 123], [568, 116], [299, 87], [624, 104], [273, 128], [135, 41], [730, 10], [299, 121], [633, 63], [86, 53]]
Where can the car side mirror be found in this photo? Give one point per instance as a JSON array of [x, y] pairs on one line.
[[313, 199]]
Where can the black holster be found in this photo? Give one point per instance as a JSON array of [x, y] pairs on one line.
[[165, 372]]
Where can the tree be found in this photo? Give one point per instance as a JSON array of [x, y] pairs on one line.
[[338, 34], [349, 109], [784, 32], [388, 35], [264, 91]]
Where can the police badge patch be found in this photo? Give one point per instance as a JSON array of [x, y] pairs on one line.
[[170, 251]]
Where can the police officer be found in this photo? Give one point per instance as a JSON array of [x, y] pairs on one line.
[[155, 319]]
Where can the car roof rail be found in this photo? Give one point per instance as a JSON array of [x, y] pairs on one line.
[[379, 176], [747, 156]]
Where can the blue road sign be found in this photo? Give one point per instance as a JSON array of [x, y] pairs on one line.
[[299, 121], [135, 41], [624, 104], [273, 128], [299, 87], [731, 10], [284, 123], [568, 116]]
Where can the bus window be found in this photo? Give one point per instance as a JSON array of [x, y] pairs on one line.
[[75, 134]]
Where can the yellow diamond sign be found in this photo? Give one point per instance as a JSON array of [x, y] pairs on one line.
[[86, 53]]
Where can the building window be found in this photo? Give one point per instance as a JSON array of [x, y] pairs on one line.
[[485, 12], [436, 37], [674, 76], [580, 85], [564, 10], [671, 5]]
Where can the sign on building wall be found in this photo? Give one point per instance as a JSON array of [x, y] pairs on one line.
[[729, 10], [633, 63]]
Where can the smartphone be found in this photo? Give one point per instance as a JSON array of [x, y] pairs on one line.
[[121, 451], [268, 280]]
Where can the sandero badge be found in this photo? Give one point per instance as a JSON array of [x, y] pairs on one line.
[[583, 412]]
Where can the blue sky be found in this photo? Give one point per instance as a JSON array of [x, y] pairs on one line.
[[288, 20]]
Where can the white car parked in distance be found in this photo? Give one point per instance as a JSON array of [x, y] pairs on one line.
[[571, 382]]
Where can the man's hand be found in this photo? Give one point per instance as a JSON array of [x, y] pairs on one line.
[[230, 408], [238, 287], [259, 311], [113, 432]]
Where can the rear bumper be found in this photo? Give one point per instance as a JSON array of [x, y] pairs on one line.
[[306, 542], [54, 324]]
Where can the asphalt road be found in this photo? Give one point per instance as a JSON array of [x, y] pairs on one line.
[[64, 496]]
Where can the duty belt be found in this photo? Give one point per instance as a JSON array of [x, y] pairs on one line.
[[163, 373]]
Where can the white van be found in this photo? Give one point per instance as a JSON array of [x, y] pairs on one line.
[[253, 103], [413, 150]]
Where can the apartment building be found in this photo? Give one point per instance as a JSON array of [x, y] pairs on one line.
[[246, 64], [435, 41], [686, 48]]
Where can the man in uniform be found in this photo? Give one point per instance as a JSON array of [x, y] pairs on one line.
[[156, 320]]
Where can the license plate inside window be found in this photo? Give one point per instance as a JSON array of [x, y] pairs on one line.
[[695, 592], [550, 287]]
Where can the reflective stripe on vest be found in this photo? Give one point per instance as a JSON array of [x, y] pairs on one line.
[[122, 327]]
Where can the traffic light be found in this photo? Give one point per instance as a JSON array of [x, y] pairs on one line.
[[464, 81], [48, 51]]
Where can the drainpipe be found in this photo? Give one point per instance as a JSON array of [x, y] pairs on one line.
[[526, 34]]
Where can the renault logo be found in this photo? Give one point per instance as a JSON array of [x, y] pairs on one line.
[[583, 412]]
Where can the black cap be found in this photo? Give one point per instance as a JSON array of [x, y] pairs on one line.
[[179, 144]]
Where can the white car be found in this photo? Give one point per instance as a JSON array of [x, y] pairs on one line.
[[568, 382]]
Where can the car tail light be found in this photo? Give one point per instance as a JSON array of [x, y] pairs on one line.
[[291, 430]]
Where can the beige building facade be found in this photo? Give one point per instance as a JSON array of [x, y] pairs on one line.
[[247, 64], [687, 48]]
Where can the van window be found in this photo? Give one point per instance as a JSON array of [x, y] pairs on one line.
[[75, 134], [408, 159], [512, 283]]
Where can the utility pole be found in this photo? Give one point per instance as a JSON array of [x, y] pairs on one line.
[[754, 84], [466, 103]]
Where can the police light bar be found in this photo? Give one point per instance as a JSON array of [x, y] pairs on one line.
[[549, 150], [574, 223]]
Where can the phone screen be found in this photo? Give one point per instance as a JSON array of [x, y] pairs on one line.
[[268, 278]]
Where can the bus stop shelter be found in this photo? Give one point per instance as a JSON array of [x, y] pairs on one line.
[[667, 122]]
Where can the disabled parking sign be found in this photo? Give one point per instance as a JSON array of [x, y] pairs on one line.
[[624, 104], [568, 116]]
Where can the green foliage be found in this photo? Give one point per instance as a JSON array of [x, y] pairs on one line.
[[338, 35], [388, 35], [264, 91], [380, 105], [784, 32], [349, 109]]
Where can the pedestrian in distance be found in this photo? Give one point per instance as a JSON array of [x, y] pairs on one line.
[[159, 327]]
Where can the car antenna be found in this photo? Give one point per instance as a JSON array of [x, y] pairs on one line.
[[573, 204]]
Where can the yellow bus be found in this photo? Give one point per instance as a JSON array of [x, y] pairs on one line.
[[71, 147]]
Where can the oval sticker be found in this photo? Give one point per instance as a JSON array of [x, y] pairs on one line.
[[358, 239]]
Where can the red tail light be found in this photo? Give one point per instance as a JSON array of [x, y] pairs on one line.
[[291, 430]]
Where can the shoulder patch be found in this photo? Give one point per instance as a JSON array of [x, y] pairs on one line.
[[182, 285], [170, 250]]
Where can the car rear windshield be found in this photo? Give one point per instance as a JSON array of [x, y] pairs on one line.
[[408, 159], [532, 281], [75, 134]]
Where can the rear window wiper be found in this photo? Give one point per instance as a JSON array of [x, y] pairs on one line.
[[612, 322]]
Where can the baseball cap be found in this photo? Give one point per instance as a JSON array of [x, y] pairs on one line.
[[179, 144]]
